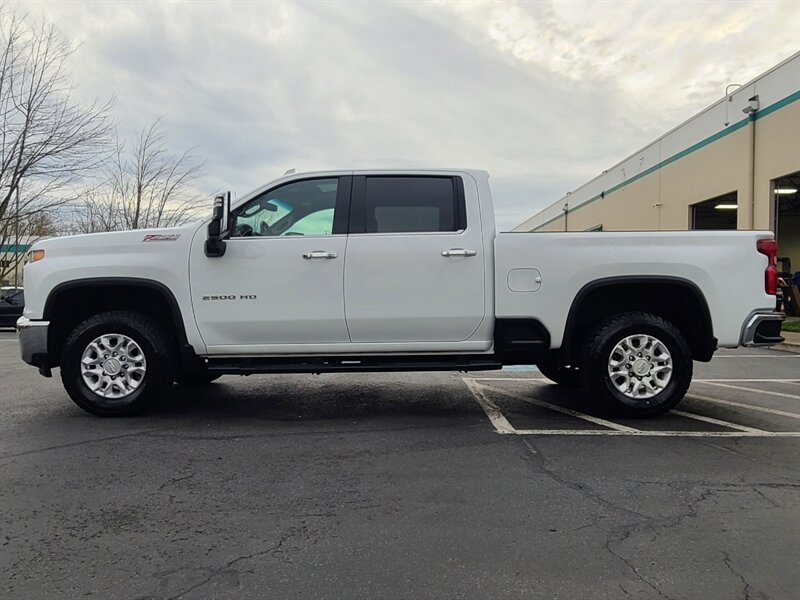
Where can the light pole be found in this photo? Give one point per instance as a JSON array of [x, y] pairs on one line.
[[16, 243]]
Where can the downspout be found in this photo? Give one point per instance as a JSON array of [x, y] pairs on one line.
[[752, 126], [750, 110]]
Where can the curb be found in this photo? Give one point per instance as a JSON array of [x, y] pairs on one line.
[[787, 347], [791, 342]]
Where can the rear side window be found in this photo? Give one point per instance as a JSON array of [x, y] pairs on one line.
[[412, 204]]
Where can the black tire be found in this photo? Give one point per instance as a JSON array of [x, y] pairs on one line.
[[560, 373], [597, 357], [155, 345], [195, 378]]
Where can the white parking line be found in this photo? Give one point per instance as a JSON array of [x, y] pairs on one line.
[[763, 409], [713, 421], [545, 380], [782, 355], [749, 389], [503, 426], [566, 411], [534, 379], [640, 433], [496, 417], [749, 380]]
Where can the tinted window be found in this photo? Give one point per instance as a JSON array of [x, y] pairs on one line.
[[17, 299], [297, 208], [410, 204]]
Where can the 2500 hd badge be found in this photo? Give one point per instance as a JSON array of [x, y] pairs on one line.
[[231, 297]]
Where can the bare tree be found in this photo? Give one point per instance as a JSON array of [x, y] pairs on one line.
[[49, 141], [147, 187]]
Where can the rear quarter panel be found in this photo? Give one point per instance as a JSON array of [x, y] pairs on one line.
[[725, 266]]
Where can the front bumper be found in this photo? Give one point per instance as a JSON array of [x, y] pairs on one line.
[[33, 343], [763, 329]]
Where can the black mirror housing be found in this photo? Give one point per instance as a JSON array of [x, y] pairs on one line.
[[219, 227]]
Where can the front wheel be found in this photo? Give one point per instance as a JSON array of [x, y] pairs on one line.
[[638, 364], [117, 363]]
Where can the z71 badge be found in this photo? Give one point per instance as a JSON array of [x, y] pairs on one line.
[[231, 297], [161, 237]]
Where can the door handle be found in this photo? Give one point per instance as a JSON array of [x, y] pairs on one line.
[[320, 254], [458, 252]]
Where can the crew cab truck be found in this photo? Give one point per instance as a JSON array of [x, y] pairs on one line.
[[389, 270]]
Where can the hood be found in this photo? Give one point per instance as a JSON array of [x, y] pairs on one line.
[[144, 239]]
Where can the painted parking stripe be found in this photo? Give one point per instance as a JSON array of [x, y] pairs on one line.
[[749, 389], [545, 380], [771, 411], [534, 379], [749, 380], [641, 433], [566, 411], [492, 411], [713, 421], [782, 355]]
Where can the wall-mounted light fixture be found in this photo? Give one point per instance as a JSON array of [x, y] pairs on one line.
[[730, 99], [752, 106]]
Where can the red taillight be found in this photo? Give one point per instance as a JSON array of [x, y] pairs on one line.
[[770, 249]]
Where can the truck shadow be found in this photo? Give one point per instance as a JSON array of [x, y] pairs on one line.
[[300, 398]]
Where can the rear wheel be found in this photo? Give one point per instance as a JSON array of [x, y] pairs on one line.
[[560, 373], [638, 364], [117, 363]]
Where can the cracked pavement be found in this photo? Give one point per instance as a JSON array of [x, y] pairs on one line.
[[379, 486]]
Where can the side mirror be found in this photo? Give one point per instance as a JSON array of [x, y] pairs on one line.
[[219, 227]]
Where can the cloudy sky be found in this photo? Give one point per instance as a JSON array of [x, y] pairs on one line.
[[544, 95]]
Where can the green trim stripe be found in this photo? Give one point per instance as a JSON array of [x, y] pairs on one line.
[[683, 153], [14, 248]]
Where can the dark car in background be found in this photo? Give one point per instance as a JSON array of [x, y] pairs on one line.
[[11, 308]]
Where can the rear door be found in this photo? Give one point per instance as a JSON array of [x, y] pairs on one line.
[[415, 260]]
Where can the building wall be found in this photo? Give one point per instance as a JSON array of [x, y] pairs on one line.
[[717, 151], [11, 256]]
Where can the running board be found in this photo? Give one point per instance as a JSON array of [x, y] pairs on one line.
[[234, 365]]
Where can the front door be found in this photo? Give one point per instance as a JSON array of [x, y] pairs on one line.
[[415, 260], [279, 286]]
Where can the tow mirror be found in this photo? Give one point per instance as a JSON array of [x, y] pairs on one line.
[[219, 227]]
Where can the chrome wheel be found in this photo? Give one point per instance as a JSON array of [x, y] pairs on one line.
[[640, 366], [113, 366]]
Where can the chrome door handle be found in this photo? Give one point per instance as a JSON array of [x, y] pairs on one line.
[[320, 254], [458, 252]]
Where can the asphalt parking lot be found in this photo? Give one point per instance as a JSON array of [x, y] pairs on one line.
[[485, 485]]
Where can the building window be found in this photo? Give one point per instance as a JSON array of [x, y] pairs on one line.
[[595, 228], [787, 223], [717, 213]]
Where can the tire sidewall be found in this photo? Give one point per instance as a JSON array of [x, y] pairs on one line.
[[80, 392], [596, 368]]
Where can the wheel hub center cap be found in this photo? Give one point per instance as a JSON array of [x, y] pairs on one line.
[[112, 366], [641, 367]]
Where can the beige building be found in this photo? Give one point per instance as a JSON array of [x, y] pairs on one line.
[[735, 165]]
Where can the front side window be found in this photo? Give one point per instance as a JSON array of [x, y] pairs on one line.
[[410, 204], [297, 208]]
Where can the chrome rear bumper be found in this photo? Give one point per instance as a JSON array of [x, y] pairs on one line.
[[763, 329]]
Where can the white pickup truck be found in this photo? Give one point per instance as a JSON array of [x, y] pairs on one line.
[[389, 270]]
